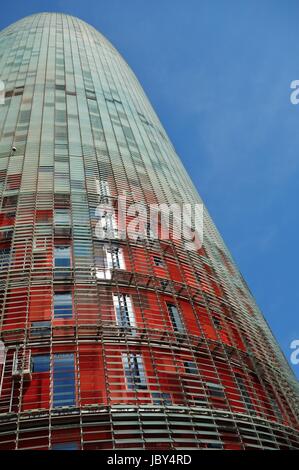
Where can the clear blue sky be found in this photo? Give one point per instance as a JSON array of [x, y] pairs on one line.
[[218, 74]]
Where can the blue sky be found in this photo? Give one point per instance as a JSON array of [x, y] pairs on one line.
[[218, 74]]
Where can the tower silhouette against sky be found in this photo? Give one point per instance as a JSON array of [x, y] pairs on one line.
[[115, 342]]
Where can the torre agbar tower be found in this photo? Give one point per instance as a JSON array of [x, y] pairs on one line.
[[115, 342]]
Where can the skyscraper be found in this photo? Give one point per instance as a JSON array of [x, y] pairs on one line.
[[110, 341]]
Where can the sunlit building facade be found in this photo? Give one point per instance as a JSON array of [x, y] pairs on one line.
[[115, 343]]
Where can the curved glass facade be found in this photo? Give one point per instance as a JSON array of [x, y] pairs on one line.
[[115, 342]]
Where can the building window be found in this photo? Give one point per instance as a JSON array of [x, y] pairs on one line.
[[115, 259], [276, 408], [63, 304], [134, 371], [214, 445], [216, 390], [66, 446], [64, 393], [40, 328], [43, 216], [10, 202], [150, 233], [39, 246], [62, 217], [107, 258], [62, 255], [4, 258], [101, 270], [2, 352], [41, 363], [107, 225], [124, 310], [163, 399], [175, 317], [244, 393], [164, 284], [103, 190], [190, 367], [216, 323], [158, 261]]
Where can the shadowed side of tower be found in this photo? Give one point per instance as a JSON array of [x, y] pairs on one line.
[[115, 342]]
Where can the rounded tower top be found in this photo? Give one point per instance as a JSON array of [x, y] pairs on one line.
[[54, 18]]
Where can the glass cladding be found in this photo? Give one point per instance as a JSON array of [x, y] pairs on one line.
[[118, 343]]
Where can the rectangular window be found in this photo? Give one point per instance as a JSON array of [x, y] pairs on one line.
[[2, 352], [4, 258], [101, 270], [63, 304], [41, 363], [40, 328], [276, 409], [244, 393], [107, 258], [216, 390], [62, 217], [108, 225], [62, 256], [158, 261], [214, 445], [64, 393], [151, 232], [124, 310], [134, 371], [115, 259], [161, 398], [216, 323], [66, 446], [103, 190], [10, 202], [175, 317], [190, 367]]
